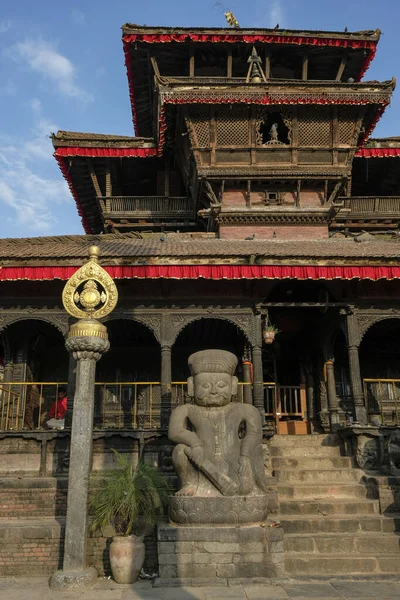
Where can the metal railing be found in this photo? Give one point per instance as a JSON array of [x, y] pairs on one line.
[[25, 405], [129, 404], [148, 205], [382, 397], [367, 204]]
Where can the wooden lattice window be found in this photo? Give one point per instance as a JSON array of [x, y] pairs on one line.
[[315, 126], [232, 126], [347, 121], [199, 126]]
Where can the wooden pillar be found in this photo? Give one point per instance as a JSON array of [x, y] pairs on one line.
[[258, 376], [354, 367], [166, 375], [333, 400], [247, 376]]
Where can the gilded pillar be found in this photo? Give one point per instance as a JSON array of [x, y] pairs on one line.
[[88, 294]]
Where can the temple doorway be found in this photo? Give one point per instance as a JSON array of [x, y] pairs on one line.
[[128, 392], [380, 371], [204, 334]]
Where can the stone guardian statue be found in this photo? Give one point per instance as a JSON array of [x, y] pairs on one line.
[[219, 442]]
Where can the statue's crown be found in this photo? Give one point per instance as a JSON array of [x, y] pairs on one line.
[[212, 361]]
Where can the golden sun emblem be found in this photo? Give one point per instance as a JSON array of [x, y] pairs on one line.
[[90, 297], [90, 292]]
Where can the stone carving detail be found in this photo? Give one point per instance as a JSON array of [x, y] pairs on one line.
[[219, 449], [394, 451], [236, 510], [367, 452]]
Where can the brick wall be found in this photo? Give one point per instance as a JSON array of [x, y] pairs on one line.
[[38, 550]]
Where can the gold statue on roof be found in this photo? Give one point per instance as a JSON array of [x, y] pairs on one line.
[[231, 19]]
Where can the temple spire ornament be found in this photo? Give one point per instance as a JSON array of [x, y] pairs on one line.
[[255, 73]]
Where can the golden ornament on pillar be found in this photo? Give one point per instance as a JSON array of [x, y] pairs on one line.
[[90, 293]]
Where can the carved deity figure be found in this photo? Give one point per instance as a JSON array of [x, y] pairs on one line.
[[273, 132], [219, 442]]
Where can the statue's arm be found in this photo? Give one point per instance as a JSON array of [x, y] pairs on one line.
[[253, 435], [178, 431]]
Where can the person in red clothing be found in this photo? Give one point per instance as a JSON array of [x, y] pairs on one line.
[[58, 410]]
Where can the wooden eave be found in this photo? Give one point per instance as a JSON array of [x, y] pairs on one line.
[[367, 35], [63, 139]]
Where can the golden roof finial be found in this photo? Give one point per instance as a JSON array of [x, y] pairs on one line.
[[231, 19], [90, 292]]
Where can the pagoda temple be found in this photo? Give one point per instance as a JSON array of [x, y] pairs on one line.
[[252, 211]]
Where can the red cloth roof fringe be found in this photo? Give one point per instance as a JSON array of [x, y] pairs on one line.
[[109, 152], [64, 170], [378, 152], [215, 272]]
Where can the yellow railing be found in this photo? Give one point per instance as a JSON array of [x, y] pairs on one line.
[[382, 397], [129, 404], [25, 405]]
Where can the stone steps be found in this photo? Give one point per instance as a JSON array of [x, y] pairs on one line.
[[304, 491], [298, 441], [311, 462], [338, 543], [331, 527], [355, 524], [325, 507], [317, 476], [331, 565], [310, 451]]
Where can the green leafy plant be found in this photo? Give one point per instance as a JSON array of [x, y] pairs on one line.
[[123, 496], [271, 327]]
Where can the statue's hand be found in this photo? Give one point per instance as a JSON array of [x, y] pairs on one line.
[[244, 466], [196, 455]]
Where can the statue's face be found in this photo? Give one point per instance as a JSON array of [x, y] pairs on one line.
[[213, 389]]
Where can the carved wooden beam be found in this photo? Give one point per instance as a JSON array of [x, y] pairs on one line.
[[93, 177], [108, 179], [342, 67], [304, 73]]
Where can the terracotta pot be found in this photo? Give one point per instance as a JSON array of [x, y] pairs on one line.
[[269, 336], [126, 558]]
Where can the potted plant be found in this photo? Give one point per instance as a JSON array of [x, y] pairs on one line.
[[127, 498], [269, 333]]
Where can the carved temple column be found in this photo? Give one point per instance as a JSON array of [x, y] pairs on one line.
[[333, 400], [247, 376], [258, 375], [354, 366], [166, 375], [89, 293]]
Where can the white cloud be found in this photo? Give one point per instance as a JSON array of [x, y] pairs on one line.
[[78, 17], [5, 25], [276, 14], [26, 188], [44, 59], [36, 105]]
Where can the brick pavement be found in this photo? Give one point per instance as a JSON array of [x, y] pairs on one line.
[[32, 588]]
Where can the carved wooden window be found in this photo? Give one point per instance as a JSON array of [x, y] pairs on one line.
[[199, 126], [273, 127], [233, 126], [315, 126], [347, 123]]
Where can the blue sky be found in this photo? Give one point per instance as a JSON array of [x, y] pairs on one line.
[[62, 67]]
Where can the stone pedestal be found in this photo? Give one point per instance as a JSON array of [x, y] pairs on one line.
[[192, 555]]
